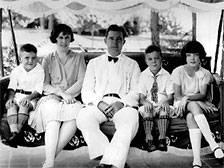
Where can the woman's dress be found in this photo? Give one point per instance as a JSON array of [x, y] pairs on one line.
[[68, 77]]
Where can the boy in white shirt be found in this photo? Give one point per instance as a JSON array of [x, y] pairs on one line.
[[25, 87], [156, 94]]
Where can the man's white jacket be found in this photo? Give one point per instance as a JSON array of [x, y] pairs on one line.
[[95, 80]]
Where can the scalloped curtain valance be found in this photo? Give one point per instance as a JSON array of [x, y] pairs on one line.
[[38, 8]]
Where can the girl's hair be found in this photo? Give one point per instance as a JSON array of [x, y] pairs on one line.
[[28, 48], [58, 29], [193, 47]]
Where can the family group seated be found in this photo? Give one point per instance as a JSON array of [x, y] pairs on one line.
[[112, 89]]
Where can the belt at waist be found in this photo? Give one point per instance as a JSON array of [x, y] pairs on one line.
[[23, 91], [112, 95]]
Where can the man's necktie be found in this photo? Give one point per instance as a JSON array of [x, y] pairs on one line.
[[115, 59], [154, 90]]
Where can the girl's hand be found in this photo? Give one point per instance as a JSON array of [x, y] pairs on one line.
[[206, 108], [182, 106]]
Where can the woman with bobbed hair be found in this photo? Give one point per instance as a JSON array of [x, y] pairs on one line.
[[57, 110], [192, 99]]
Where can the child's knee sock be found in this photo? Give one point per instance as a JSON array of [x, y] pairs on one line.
[[205, 129], [12, 120], [22, 119], [148, 126], [195, 138], [163, 123]]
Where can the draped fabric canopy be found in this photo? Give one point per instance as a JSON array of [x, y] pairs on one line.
[[38, 8]]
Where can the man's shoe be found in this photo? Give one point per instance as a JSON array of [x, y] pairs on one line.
[[162, 145], [151, 147], [98, 158], [103, 166], [127, 166]]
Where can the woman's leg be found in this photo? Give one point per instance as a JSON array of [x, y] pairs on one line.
[[204, 127], [195, 139], [51, 142], [67, 130]]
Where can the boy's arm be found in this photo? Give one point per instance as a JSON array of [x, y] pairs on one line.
[[26, 100], [143, 101], [33, 95], [10, 94], [168, 100], [9, 98]]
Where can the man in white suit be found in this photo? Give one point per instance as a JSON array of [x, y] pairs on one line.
[[109, 94]]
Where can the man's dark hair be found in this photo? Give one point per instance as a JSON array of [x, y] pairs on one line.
[[58, 29], [115, 27], [28, 48]]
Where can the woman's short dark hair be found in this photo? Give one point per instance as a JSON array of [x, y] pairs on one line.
[[28, 48], [115, 27], [193, 47], [58, 29]]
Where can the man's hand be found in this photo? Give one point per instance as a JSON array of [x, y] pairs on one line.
[[111, 109], [102, 106]]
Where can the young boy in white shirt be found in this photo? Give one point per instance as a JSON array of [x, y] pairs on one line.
[[156, 94], [25, 87]]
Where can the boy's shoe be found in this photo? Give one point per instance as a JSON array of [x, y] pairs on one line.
[[14, 135], [151, 147], [12, 141], [162, 145]]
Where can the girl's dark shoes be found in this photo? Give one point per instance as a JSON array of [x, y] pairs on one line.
[[219, 160], [196, 166], [162, 145], [151, 146]]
